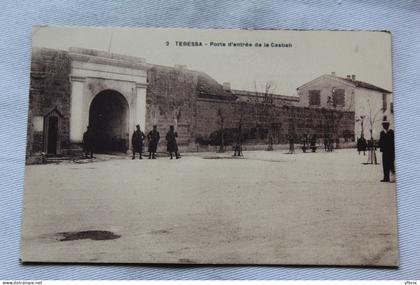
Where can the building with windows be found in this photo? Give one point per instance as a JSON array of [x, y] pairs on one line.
[[371, 104]]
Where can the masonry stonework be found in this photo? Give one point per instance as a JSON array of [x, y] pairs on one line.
[[171, 100], [49, 89]]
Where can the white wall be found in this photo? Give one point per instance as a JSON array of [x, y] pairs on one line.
[[88, 79], [369, 103], [326, 84], [364, 102]]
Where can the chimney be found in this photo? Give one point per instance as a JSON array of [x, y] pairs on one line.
[[353, 77], [348, 76], [333, 73], [180, 66], [226, 86]]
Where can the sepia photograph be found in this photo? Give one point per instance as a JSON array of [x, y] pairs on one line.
[[210, 146]]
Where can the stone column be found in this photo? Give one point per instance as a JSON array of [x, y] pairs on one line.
[[140, 107], [76, 110]]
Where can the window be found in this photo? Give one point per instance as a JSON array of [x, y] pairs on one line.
[[314, 97], [338, 97], [38, 123], [384, 102]]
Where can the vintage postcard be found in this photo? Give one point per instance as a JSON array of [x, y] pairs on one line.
[[210, 146]]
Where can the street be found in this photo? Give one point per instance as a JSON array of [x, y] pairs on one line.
[[265, 208]]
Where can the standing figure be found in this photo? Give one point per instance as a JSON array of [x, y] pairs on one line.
[[313, 143], [330, 144], [325, 144], [137, 142], [386, 144], [291, 144], [153, 138], [361, 145], [270, 141], [237, 149], [305, 143], [172, 146], [88, 142]]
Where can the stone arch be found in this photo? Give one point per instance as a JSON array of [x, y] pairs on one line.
[[109, 121]]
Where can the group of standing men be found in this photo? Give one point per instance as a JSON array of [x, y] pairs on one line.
[[153, 137], [386, 144]]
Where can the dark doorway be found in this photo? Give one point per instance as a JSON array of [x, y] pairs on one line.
[[108, 119], [52, 136]]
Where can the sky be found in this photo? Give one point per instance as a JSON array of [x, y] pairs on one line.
[[366, 54]]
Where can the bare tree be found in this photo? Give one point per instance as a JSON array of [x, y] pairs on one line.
[[372, 120], [176, 115], [361, 119], [256, 102], [333, 121], [239, 138], [221, 121], [267, 116]]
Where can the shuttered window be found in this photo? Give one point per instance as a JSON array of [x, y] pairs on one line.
[[338, 97], [314, 97]]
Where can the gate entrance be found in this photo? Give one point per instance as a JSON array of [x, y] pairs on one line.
[[108, 120], [52, 126], [52, 136]]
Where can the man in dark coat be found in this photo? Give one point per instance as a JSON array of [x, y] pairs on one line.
[[88, 142], [386, 144], [291, 138], [362, 145], [325, 144], [137, 142], [172, 146], [153, 138], [313, 143], [237, 148]]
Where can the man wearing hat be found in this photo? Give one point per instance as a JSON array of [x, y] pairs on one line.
[[137, 142], [153, 138], [172, 145], [88, 142], [386, 144]]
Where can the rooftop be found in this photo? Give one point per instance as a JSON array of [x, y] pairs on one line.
[[365, 85], [352, 81]]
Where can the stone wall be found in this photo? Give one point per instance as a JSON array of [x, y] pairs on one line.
[[171, 100], [50, 88], [260, 121], [322, 123]]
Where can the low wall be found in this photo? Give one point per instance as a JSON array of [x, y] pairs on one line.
[[260, 122]]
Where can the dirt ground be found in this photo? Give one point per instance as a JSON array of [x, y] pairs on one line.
[[265, 208]]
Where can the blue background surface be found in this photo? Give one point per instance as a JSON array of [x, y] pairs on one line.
[[402, 18]]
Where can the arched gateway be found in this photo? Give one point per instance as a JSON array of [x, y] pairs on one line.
[[109, 95], [108, 120]]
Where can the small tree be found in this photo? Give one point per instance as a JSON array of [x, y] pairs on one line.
[[221, 121], [268, 104], [361, 119], [335, 118], [372, 120], [267, 116], [176, 117]]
